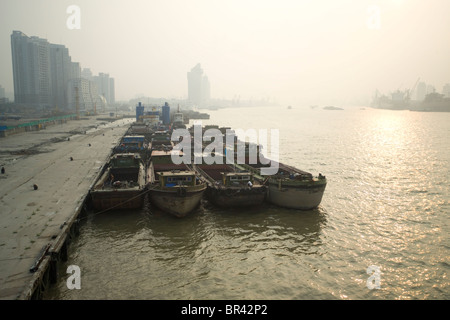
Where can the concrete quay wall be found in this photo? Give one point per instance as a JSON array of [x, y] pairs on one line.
[[36, 226]]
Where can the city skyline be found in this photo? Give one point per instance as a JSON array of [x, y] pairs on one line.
[[295, 51]]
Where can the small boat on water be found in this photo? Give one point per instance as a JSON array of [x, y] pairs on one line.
[[173, 188], [122, 184], [231, 187]]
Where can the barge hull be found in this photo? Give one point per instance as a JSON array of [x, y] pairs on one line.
[[296, 198], [174, 203], [236, 198], [117, 200]]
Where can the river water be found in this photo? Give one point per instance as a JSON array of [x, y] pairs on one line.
[[386, 207]]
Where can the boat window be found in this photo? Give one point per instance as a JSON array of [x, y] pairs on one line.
[[239, 178]]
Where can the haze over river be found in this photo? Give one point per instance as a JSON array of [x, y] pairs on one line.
[[387, 204]]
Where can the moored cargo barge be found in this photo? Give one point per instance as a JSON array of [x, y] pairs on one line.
[[291, 187], [122, 184], [173, 188], [228, 187]]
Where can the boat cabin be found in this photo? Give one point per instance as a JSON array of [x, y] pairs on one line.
[[174, 178], [231, 179], [135, 141]]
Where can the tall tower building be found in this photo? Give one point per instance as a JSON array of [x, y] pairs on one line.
[[198, 86], [112, 91], [75, 70], [105, 86], [41, 71], [31, 69], [86, 73], [3, 98], [195, 85], [45, 76], [2, 92], [61, 73]]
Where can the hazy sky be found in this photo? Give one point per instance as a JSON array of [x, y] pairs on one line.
[[299, 51]]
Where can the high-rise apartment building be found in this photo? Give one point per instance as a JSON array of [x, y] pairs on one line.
[[45, 76], [62, 70], [2, 92], [112, 91], [41, 71], [31, 69], [105, 86], [3, 98], [86, 73], [198, 87], [83, 94]]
